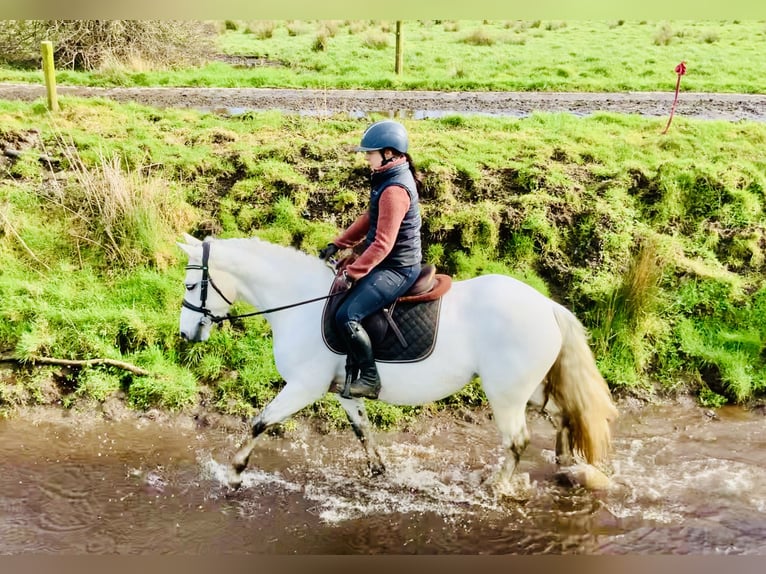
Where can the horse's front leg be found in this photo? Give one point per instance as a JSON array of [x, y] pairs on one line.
[[292, 398], [357, 416]]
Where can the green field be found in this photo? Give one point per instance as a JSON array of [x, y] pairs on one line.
[[465, 55]]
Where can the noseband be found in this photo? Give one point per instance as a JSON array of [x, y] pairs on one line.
[[206, 280]]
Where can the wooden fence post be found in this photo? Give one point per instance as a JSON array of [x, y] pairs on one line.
[[398, 66], [49, 71]]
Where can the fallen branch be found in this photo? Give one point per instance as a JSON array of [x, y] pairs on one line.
[[75, 363]]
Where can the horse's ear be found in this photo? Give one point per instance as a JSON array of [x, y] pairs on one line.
[[188, 249], [191, 240]]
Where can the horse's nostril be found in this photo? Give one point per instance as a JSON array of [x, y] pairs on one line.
[[184, 336]]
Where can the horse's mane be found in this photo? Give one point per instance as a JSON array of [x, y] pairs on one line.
[[286, 254]]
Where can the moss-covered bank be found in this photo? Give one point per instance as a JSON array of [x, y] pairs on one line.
[[655, 241]]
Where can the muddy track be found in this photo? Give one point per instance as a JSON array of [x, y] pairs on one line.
[[419, 104]]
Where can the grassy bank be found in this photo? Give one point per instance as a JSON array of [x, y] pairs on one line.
[[656, 242], [461, 55]]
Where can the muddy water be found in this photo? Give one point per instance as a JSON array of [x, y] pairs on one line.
[[684, 482]]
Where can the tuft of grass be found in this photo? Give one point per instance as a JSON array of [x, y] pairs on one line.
[[555, 25], [97, 384], [664, 35], [376, 40], [329, 28], [357, 27], [479, 37], [131, 216], [320, 42], [627, 318], [261, 29], [297, 28]]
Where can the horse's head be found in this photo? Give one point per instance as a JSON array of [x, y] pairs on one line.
[[206, 301]]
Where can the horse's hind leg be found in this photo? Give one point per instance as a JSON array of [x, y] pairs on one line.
[[357, 416], [512, 424], [564, 455], [550, 411]]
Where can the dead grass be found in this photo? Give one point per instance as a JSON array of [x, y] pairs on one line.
[[133, 217], [89, 44], [479, 37]]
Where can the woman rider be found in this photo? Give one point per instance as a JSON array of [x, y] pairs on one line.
[[390, 262]]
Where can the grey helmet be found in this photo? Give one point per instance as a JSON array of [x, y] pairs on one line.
[[384, 134]]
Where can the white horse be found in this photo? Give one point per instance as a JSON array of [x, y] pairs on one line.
[[510, 335]]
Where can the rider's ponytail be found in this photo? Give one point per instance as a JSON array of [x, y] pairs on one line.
[[415, 173]]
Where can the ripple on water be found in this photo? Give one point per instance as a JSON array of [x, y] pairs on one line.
[[681, 484]]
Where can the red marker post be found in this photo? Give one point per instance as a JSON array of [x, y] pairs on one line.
[[680, 70]]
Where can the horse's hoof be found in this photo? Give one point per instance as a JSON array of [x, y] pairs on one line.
[[377, 469], [585, 475], [517, 487], [234, 480]]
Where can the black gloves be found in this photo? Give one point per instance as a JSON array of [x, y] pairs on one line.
[[328, 251]]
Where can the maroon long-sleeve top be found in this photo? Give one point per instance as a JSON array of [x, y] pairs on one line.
[[393, 206]]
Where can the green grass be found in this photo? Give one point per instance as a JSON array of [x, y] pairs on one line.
[[468, 55], [656, 242]]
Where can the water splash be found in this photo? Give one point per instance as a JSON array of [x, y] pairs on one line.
[[218, 472]]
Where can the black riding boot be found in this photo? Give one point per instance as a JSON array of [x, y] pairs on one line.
[[360, 350]]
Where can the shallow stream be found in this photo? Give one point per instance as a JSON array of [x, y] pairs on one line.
[[685, 481]]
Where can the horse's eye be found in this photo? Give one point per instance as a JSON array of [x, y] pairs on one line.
[[190, 286]]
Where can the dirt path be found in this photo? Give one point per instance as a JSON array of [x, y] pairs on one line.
[[420, 104]]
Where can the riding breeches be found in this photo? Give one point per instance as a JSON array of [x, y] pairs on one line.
[[379, 288]]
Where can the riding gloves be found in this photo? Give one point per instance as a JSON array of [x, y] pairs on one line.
[[328, 251]]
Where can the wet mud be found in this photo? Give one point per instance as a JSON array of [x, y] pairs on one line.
[[419, 104]]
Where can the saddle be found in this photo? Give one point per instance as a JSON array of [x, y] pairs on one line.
[[403, 332]]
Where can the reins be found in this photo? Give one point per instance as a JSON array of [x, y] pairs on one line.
[[207, 280]]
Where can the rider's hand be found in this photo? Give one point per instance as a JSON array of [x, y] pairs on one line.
[[349, 281], [328, 251], [342, 282]]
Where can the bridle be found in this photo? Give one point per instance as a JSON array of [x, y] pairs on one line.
[[207, 280], [207, 314]]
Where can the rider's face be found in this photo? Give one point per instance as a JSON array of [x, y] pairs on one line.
[[374, 159]]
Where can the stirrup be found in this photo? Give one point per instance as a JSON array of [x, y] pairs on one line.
[[363, 388]]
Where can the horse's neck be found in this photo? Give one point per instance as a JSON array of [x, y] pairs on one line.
[[271, 275]]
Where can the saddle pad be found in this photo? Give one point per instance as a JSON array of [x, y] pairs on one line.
[[417, 323]]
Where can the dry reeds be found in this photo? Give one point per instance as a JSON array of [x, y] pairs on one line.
[[132, 216]]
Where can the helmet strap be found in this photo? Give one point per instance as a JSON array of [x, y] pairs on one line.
[[385, 160]]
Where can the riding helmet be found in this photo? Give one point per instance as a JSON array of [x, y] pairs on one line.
[[384, 134]]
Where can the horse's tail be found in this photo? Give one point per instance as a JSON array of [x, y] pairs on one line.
[[580, 392]]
